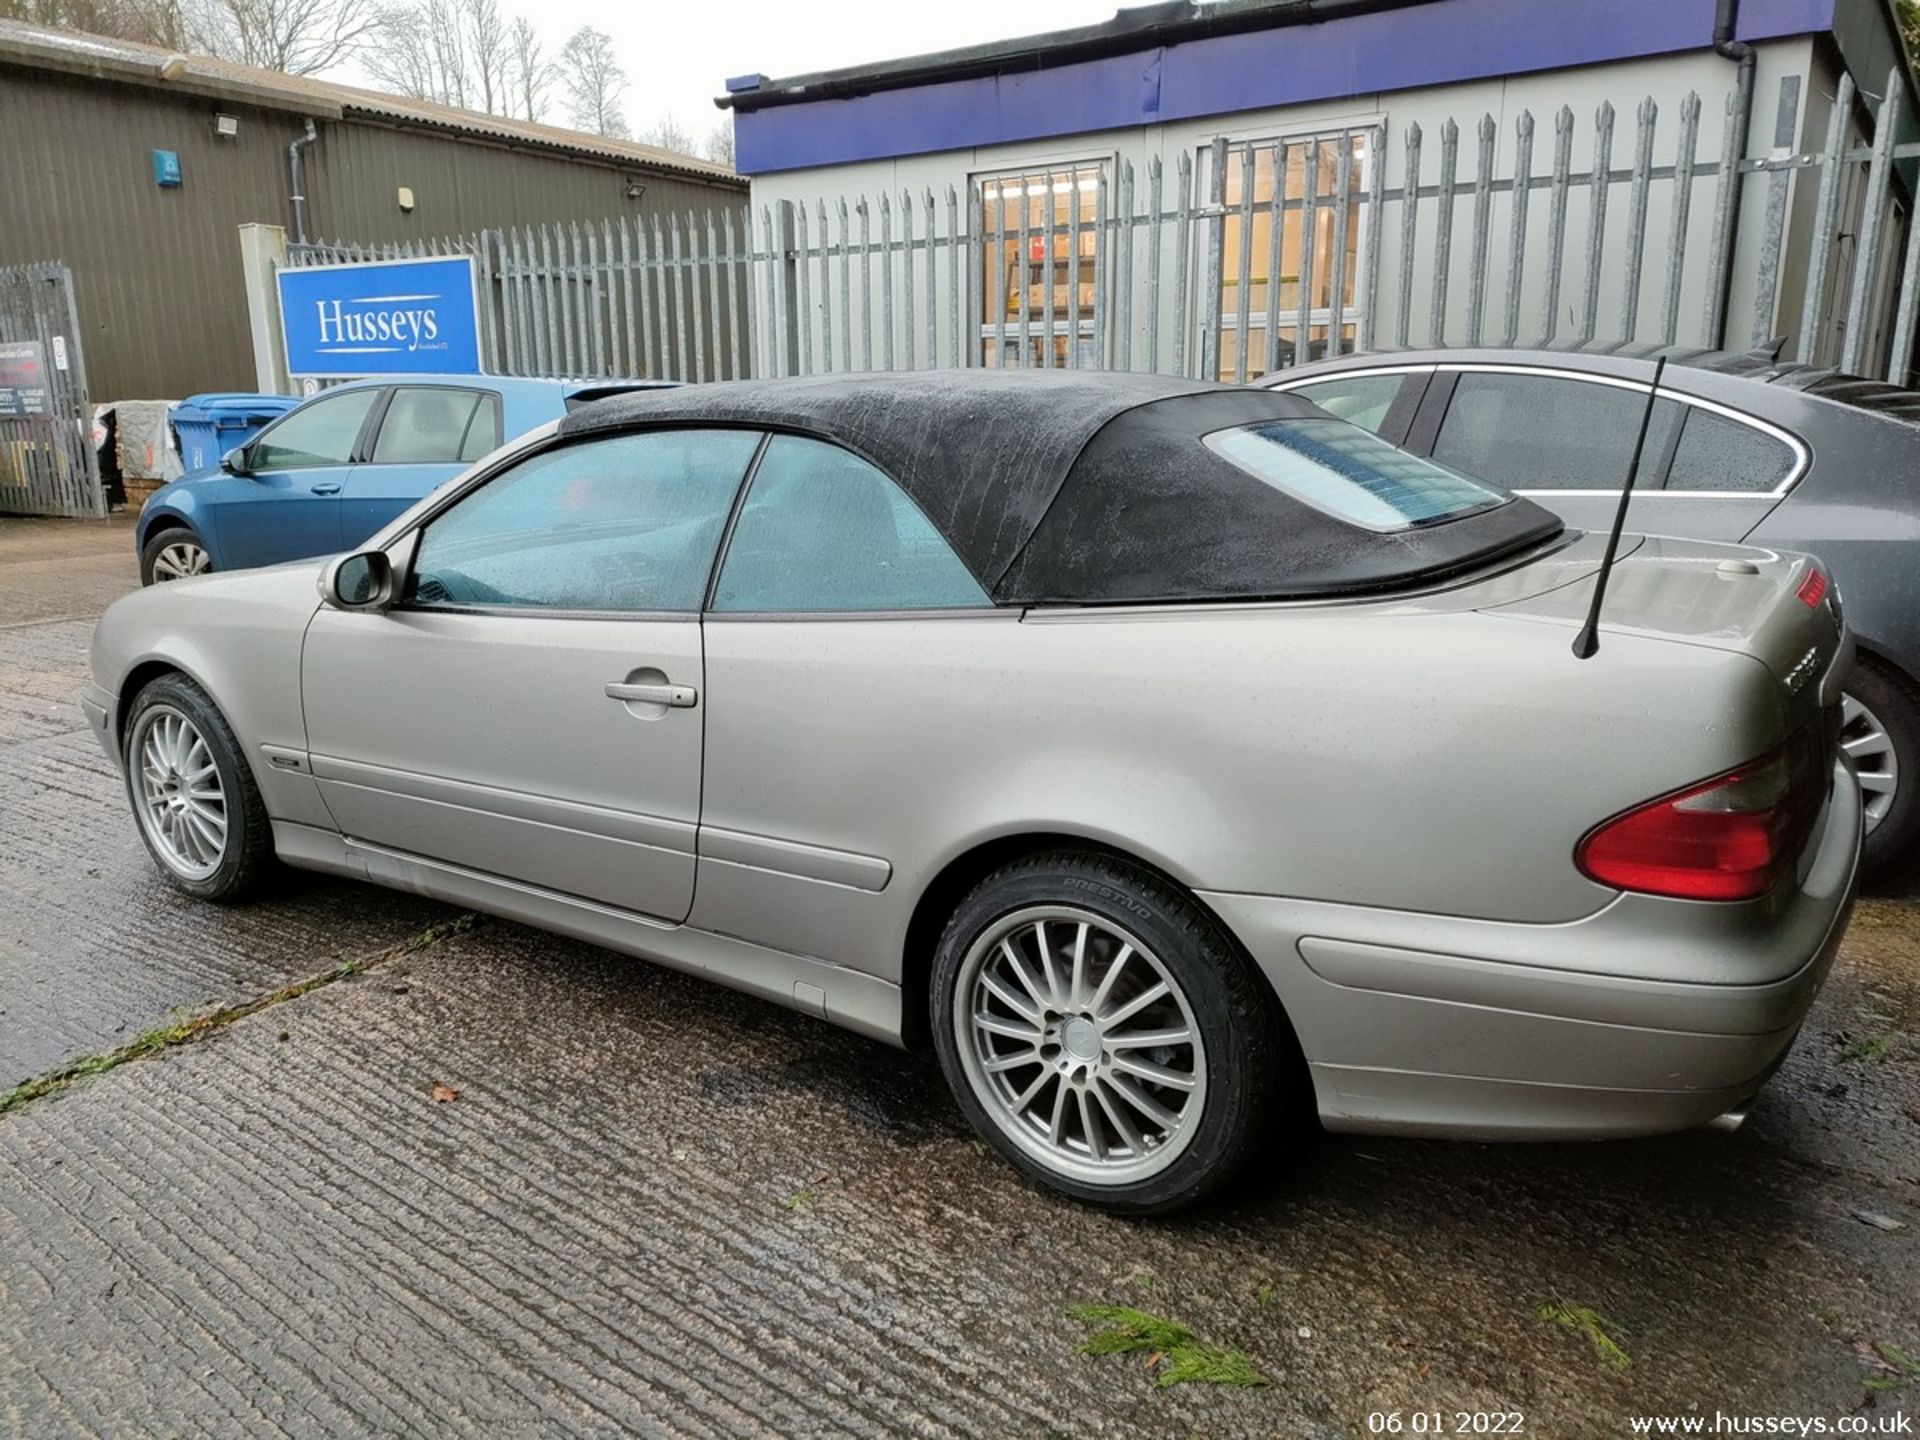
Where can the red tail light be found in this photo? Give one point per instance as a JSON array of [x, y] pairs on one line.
[[1733, 837], [1813, 589]]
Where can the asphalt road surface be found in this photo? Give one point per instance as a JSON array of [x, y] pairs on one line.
[[496, 1183]]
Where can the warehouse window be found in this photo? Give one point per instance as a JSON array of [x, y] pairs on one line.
[[1260, 272], [1042, 257]]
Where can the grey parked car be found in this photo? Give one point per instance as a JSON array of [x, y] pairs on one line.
[[1167, 753], [1742, 448]]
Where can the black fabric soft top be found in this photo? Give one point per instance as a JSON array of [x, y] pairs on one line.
[[1087, 487]]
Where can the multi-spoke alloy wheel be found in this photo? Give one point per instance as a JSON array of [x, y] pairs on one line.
[[1106, 1033], [1864, 736], [182, 804], [180, 559], [1080, 1044]]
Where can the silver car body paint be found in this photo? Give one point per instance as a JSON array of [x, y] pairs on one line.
[[1380, 798]]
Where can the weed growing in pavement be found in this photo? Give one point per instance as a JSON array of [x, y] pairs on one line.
[[1172, 1351], [187, 1029], [1596, 1327], [1868, 1048]]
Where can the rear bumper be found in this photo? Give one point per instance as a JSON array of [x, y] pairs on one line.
[[1646, 1017]]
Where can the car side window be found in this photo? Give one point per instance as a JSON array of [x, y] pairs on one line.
[[1716, 453], [821, 530], [320, 432], [425, 425], [1362, 400], [1539, 432], [622, 523], [483, 430]]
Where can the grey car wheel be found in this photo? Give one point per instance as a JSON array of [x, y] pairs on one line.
[[178, 796], [196, 801], [1080, 1044], [173, 554], [1105, 1034], [1880, 731], [1863, 735]]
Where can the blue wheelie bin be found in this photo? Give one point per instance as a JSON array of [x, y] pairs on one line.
[[206, 426]]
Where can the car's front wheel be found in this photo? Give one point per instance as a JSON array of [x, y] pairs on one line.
[[173, 554], [194, 798], [1104, 1034]]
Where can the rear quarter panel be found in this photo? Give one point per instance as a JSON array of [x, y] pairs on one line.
[[1427, 760]]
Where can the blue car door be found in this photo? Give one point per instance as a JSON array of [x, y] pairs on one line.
[[426, 435], [285, 505]]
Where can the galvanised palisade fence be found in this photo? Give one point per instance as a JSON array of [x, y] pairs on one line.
[[47, 460], [1245, 257]]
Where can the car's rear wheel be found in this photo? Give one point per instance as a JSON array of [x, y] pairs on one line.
[[173, 554], [194, 798], [1880, 729], [1104, 1034]]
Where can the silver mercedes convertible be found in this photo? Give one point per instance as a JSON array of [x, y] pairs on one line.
[[1168, 756]]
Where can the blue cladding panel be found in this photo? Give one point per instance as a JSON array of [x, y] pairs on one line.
[[1432, 44]]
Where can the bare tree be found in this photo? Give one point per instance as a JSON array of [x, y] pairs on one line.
[[666, 133], [298, 37], [719, 146], [151, 22], [595, 83], [531, 75], [489, 54], [454, 51]]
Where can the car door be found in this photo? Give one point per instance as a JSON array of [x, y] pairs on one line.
[[1565, 439], [533, 708], [424, 436], [846, 646], [286, 505]]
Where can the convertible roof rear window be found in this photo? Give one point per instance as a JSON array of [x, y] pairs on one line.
[[1352, 474]]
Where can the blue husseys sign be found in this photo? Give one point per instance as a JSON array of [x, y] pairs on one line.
[[389, 317]]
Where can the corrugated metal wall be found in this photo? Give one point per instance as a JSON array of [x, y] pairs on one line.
[[158, 270]]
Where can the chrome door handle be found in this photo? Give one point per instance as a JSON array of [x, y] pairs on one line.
[[680, 697], [326, 487]]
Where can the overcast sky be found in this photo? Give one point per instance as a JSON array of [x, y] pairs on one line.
[[677, 55]]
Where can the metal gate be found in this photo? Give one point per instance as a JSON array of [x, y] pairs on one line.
[[48, 465]]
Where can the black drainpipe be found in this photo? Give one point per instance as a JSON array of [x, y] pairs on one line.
[[296, 176], [1726, 16]]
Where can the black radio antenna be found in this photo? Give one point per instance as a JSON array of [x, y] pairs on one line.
[[1588, 640]]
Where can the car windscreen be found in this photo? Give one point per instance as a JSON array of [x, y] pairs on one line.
[[1352, 474]]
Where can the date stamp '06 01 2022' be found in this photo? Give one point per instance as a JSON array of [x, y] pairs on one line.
[[1446, 1422]]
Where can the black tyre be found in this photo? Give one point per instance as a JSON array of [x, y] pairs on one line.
[[173, 554], [1881, 729], [194, 797], [1102, 1031]]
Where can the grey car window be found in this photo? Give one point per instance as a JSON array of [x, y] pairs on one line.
[[1537, 432], [1716, 453], [483, 431], [630, 522], [822, 530], [425, 425], [1362, 400], [321, 432]]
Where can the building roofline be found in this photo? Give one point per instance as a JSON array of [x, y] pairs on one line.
[[1130, 30], [39, 47]]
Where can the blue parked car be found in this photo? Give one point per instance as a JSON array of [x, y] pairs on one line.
[[327, 474]]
